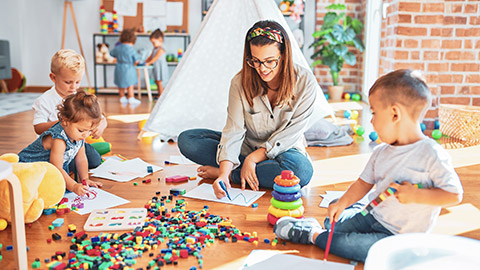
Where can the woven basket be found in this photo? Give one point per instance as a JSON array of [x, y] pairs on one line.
[[461, 122]]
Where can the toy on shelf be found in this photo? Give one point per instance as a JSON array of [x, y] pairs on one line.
[[103, 54], [423, 127], [359, 130], [346, 96], [297, 10], [287, 198], [179, 54], [373, 136], [356, 97], [103, 21], [285, 6], [437, 134]]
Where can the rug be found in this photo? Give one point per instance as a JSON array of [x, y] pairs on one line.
[[11, 103]]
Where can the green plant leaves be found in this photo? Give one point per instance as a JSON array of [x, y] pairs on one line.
[[332, 42]]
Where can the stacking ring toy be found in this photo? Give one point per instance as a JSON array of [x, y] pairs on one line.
[[281, 212], [286, 182], [282, 189], [272, 219], [286, 205], [286, 197]]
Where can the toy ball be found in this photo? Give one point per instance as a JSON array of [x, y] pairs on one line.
[[3, 224], [436, 134], [423, 127], [327, 96], [347, 96], [373, 136], [347, 114], [360, 130], [437, 124], [356, 97], [141, 124], [354, 115]]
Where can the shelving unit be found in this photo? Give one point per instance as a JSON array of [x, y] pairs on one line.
[[113, 38]]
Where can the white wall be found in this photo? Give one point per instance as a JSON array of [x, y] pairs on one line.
[[34, 29]]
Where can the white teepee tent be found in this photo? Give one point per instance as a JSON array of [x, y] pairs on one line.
[[196, 95]]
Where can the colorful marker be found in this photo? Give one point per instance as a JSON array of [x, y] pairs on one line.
[[329, 242], [225, 189]]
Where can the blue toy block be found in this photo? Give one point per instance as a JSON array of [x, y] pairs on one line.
[[58, 222]]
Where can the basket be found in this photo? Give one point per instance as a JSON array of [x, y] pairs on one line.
[[461, 122]]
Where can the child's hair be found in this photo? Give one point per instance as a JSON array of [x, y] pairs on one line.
[[157, 34], [128, 35], [271, 32], [80, 106], [68, 59], [406, 87]]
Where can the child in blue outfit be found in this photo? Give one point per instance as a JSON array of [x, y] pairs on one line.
[[125, 72], [64, 142], [398, 102], [158, 60]]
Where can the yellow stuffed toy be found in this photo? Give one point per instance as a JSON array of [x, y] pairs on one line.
[[42, 187]]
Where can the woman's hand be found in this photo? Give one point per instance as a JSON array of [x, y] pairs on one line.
[[218, 190], [249, 175]]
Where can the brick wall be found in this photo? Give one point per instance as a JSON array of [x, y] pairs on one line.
[[441, 38], [350, 76]]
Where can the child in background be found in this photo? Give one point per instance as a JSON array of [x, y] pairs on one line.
[[66, 72], [398, 101], [64, 142], [158, 60], [125, 72]]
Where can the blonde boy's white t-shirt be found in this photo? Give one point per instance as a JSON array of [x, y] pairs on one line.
[[45, 107], [423, 162]]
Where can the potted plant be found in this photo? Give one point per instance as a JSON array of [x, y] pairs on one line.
[[338, 34]]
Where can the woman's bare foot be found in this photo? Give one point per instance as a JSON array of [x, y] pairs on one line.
[[208, 172]]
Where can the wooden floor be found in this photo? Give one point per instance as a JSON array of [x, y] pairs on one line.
[[17, 132]]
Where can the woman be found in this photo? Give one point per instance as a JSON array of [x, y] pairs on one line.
[[270, 102]]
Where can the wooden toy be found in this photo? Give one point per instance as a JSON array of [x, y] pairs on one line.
[[115, 219], [176, 179]]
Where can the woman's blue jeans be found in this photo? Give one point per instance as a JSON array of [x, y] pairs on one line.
[[353, 235], [200, 146]]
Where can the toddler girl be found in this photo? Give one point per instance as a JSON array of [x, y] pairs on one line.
[[64, 142], [158, 60], [125, 73]]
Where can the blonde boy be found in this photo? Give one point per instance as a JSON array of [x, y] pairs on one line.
[[398, 101], [67, 69]]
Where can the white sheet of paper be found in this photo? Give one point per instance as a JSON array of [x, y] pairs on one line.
[[270, 259], [154, 7], [123, 171], [239, 197], [126, 7], [174, 13], [95, 199], [153, 23], [180, 160]]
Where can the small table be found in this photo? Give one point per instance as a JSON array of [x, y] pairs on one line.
[[147, 81]]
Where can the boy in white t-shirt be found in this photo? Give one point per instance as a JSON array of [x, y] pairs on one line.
[[398, 101], [67, 69]]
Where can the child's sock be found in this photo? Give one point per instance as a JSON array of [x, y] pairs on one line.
[[123, 100]]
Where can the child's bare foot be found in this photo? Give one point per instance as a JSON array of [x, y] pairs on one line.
[[208, 172]]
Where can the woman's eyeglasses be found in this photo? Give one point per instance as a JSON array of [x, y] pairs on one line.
[[269, 63]]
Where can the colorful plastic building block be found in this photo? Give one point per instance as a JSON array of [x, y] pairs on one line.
[[254, 205], [58, 222], [176, 179], [149, 169]]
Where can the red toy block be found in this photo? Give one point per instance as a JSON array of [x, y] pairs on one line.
[[176, 179]]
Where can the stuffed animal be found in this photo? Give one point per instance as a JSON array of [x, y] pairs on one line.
[[42, 187], [103, 55]]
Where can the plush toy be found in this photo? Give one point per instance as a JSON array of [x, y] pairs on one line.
[[103, 55], [42, 187]]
